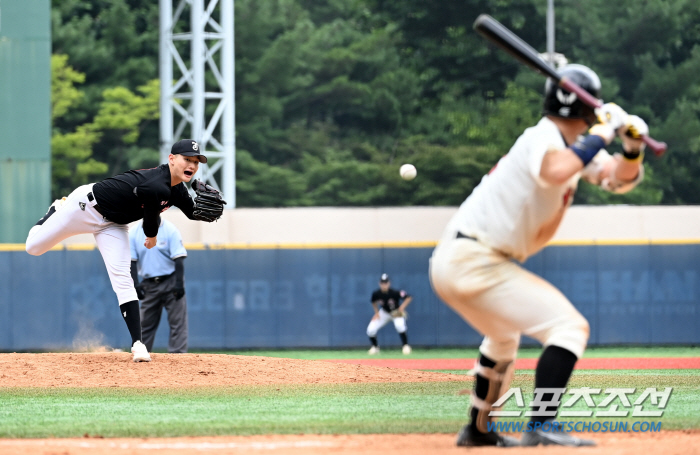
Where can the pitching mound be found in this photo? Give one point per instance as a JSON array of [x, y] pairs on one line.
[[116, 369]]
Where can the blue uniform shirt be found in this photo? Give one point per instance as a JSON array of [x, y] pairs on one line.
[[158, 261]]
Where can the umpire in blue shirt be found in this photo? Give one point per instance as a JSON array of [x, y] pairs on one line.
[[163, 284]]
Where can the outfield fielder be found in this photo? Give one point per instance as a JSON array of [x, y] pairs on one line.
[[105, 208], [511, 215], [389, 305]]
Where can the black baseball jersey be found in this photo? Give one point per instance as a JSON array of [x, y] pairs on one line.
[[145, 193], [389, 300]]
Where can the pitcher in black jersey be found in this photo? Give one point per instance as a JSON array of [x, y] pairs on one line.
[[105, 208], [389, 305]]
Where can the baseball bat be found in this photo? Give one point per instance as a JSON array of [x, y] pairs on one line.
[[502, 37]]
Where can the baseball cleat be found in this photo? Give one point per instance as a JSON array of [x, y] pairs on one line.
[[406, 349], [373, 350], [547, 438], [468, 437], [140, 352]]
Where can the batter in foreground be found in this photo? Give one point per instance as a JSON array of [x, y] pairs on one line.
[[105, 209], [511, 215]]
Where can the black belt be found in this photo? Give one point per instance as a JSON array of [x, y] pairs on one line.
[[462, 236], [158, 279], [97, 207], [459, 235]]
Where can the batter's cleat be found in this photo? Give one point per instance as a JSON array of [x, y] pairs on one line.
[[468, 437], [373, 350], [406, 349], [140, 352], [549, 438]]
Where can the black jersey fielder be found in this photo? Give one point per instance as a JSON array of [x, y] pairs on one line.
[[105, 208], [389, 305]]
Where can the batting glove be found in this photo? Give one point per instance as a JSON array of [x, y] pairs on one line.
[[632, 137], [613, 115]]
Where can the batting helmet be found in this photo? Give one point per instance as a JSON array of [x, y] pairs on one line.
[[562, 103]]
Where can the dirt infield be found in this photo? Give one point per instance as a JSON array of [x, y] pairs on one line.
[[202, 370], [666, 443]]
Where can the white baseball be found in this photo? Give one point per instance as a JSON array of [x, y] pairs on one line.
[[408, 172]]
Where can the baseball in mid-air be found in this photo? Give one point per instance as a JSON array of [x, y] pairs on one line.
[[408, 172]]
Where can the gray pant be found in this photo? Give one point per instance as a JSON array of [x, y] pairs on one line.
[[159, 296]]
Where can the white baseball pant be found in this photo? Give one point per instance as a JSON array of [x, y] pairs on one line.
[[76, 216], [502, 300], [382, 320]]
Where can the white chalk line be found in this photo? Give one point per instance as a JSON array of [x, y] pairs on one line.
[[171, 445]]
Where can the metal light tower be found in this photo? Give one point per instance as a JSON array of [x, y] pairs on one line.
[[557, 60], [192, 105]]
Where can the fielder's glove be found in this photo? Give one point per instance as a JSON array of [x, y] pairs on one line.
[[398, 314], [208, 204]]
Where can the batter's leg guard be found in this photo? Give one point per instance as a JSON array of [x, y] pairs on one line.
[[492, 381]]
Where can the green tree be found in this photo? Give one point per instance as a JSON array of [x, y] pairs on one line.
[[120, 119], [648, 57], [71, 152], [333, 96], [114, 44]]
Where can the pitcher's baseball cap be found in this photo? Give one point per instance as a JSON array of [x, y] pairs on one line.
[[384, 278], [188, 147]]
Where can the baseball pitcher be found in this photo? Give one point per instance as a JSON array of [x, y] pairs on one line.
[[105, 208]]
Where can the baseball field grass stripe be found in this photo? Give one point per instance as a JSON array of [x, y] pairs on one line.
[[320, 409], [285, 409]]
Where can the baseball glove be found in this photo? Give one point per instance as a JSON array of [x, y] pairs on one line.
[[208, 204], [399, 314]]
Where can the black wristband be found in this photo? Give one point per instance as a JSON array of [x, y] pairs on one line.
[[632, 156]]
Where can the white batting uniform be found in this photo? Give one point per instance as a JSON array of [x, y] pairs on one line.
[[77, 215], [512, 214]]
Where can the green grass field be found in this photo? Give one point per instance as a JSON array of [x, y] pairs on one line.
[[310, 409]]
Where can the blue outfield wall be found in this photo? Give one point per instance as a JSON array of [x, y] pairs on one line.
[[319, 297]]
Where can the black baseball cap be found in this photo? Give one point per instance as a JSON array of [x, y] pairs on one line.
[[188, 147], [384, 278]]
